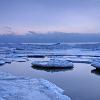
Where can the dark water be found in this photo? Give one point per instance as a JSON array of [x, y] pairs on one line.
[[80, 83]]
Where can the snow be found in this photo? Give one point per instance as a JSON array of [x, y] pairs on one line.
[[83, 52], [7, 60], [20, 60], [96, 64], [10, 60], [79, 60], [2, 62], [53, 63], [16, 88], [62, 55], [48, 50]]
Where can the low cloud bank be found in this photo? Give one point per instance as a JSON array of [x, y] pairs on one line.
[[49, 37]]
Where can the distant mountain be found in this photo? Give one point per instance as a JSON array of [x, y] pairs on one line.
[[49, 37]]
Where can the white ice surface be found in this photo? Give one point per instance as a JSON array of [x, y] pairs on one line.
[[15, 88], [2, 62], [20, 60], [66, 52], [53, 63], [96, 63], [79, 59]]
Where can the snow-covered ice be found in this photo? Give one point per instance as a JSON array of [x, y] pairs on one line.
[[7, 60], [20, 60], [96, 64], [53, 63], [79, 60], [15, 88], [2, 62]]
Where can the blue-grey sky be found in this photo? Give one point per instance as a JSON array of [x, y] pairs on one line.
[[21, 16]]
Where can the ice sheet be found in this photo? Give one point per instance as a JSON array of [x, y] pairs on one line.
[[18, 88]]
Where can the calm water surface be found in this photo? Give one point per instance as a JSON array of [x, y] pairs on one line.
[[80, 83]]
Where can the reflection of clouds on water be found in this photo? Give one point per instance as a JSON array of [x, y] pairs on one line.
[[96, 71], [52, 69]]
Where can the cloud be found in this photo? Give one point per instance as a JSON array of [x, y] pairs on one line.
[[50, 15], [53, 37], [6, 30]]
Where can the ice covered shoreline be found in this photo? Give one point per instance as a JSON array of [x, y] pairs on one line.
[[75, 53], [20, 88]]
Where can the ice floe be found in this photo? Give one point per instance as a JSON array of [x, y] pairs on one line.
[[14, 88], [2, 62], [73, 59], [53, 63], [20, 60], [7, 60], [79, 60], [96, 64]]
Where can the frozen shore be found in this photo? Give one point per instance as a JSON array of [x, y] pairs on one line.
[[19, 88]]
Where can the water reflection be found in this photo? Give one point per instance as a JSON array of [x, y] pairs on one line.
[[52, 69], [96, 71]]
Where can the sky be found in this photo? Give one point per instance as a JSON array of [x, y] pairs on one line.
[[75, 16]]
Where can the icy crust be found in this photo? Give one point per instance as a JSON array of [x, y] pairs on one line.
[[5, 76], [14, 88], [16, 59], [15, 52], [78, 59], [2, 62], [53, 63], [96, 63], [59, 52]]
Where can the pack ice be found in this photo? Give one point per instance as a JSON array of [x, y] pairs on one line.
[[19, 88], [53, 63], [96, 63]]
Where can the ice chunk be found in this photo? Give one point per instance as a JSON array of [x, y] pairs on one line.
[[14, 88], [7, 60], [53, 63], [2, 62], [96, 64], [5, 76], [79, 60], [20, 60]]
